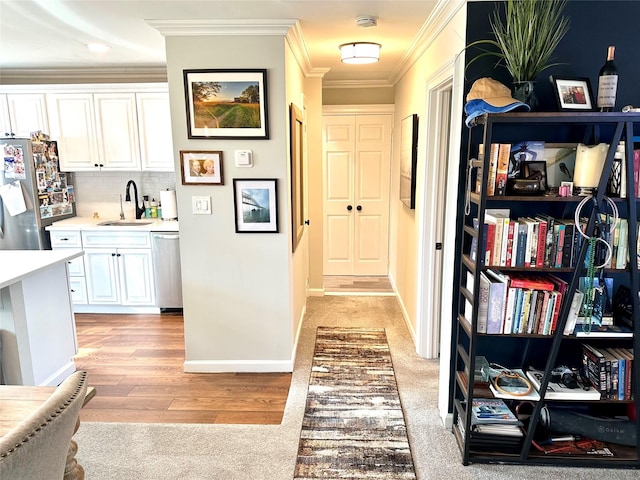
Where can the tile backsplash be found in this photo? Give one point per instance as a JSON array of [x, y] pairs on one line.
[[100, 191]]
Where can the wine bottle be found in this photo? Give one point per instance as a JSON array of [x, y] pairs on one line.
[[608, 83]]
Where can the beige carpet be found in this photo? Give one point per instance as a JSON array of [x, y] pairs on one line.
[[122, 451]]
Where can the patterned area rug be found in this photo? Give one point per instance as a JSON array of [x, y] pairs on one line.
[[353, 425]]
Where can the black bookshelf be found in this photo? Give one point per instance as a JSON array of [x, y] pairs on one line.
[[520, 349]]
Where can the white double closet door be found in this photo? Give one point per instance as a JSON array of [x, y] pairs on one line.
[[356, 170]]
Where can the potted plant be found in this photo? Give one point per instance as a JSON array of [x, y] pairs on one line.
[[525, 38]]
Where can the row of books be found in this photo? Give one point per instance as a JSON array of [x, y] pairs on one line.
[[609, 370], [521, 303], [543, 241]]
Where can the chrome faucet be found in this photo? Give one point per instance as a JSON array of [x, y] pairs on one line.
[[139, 210]]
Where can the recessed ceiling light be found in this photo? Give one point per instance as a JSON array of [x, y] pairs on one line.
[[98, 47]]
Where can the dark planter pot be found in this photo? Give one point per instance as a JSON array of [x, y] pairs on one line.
[[525, 92]]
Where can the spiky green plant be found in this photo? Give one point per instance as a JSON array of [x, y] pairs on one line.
[[527, 36]]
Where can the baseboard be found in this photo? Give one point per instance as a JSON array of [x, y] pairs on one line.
[[316, 292], [232, 366], [56, 378], [405, 315]]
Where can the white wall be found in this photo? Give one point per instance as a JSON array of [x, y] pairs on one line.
[[236, 287], [411, 97]]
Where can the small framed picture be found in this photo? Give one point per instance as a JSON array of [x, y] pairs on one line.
[[256, 205], [573, 94], [201, 167], [536, 171]]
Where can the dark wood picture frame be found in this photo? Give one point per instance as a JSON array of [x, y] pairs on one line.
[[226, 103], [573, 94], [297, 175], [536, 171], [201, 167], [408, 159], [255, 202]]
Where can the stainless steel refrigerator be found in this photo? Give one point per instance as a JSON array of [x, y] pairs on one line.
[[34, 193]]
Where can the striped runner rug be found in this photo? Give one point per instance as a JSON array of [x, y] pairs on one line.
[[353, 425]]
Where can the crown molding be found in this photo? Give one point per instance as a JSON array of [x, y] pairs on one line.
[[170, 28], [440, 17], [357, 84], [28, 76]]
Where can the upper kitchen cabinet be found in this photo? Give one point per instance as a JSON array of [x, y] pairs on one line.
[[154, 130], [95, 131], [22, 113]]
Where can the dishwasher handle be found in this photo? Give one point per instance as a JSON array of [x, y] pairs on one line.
[[170, 236]]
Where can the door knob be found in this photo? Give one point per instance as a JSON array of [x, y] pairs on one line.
[[359, 207], [349, 207]]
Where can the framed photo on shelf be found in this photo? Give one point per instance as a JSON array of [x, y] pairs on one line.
[[255, 202], [201, 167], [536, 171], [226, 103], [408, 159], [573, 94]]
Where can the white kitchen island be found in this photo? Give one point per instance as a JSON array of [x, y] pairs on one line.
[[37, 326]]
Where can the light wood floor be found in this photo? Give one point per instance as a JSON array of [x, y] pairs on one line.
[[135, 364]]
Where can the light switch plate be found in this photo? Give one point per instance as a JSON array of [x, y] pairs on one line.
[[244, 158], [201, 205]]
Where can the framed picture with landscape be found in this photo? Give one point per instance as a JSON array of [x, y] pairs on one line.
[[226, 103]]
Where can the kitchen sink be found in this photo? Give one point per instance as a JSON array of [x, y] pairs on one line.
[[123, 223]]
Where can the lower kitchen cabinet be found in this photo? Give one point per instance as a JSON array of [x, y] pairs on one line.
[[118, 268]]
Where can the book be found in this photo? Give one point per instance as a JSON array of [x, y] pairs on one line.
[[549, 226], [491, 172], [513, 385], [492, 410], [497, 299], [574, 312], [483, 303], [524, 151], [559, 391], [502, 169], [603, 331], [532, 281], [594, 368], [500, 218]]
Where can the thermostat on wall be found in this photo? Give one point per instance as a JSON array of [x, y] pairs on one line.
[[244, 158]]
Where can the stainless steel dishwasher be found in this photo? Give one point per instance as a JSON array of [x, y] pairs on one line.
[[166, 265]]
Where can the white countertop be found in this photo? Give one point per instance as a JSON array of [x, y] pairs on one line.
[[18, 264], [89, 223]]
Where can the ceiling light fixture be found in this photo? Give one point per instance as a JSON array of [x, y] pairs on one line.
[[360, 52], [98, 47]]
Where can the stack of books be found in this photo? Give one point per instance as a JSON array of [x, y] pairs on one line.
[[609, 370], [493, 425]]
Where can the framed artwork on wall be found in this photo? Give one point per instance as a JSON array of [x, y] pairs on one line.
[[226, 103], [201, 167], [408, 159], [255, 202], [297, 175]]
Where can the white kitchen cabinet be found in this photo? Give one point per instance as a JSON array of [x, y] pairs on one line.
[[118, 268], [95, 131], [23, 113], [61, 239], [154, 127], [71, 117]]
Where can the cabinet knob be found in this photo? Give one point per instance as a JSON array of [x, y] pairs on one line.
[[113, 254], [307, 222], [349, 207], [65, 239], [359, 208]]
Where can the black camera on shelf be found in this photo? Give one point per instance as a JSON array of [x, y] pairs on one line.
[[568, 377]]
